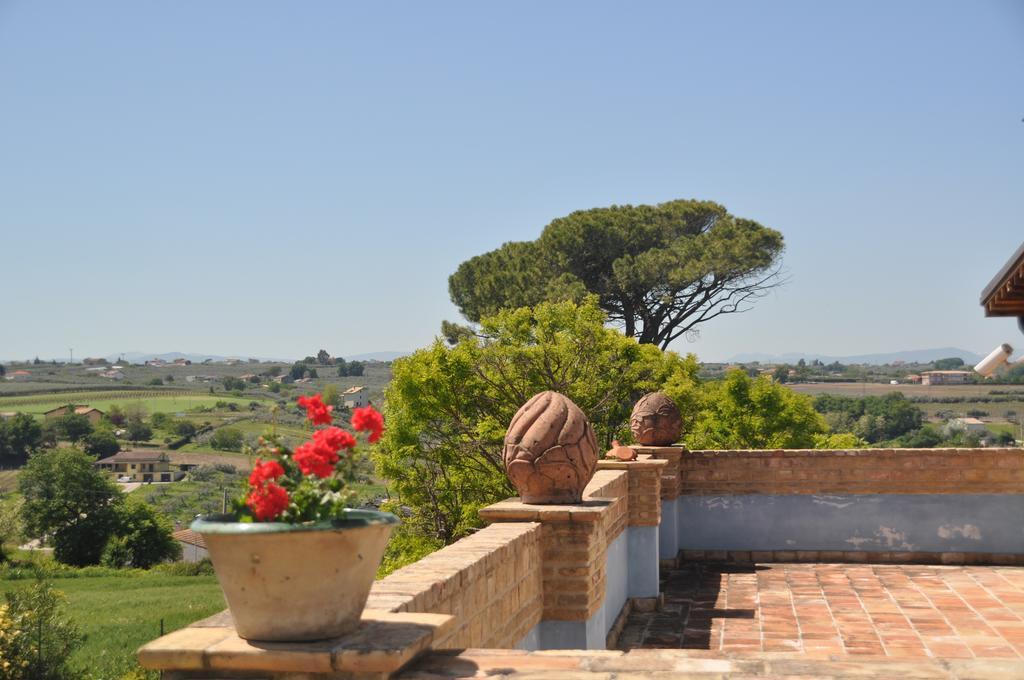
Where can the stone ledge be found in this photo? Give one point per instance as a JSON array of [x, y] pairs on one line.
[[642, 460], [694, 665], [384, 643]]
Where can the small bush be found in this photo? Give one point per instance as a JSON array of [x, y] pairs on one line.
[[202, 568], [36, 638]]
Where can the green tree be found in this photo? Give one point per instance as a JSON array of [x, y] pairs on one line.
[[329, 395], [101, 443], [356, 368], [36, 635], [658, 270], [948, 364], [67, 498], [160, 420], [741, 412], [298, 370], [342, 367], [840, 440], [781, 373], [74, 426], [874, 419], [323, 358], [139, 431], [227, 439], [184, 428], [10, 527], [143, 537], [20, 436], [116, 415], [447, 408], [232, 383]]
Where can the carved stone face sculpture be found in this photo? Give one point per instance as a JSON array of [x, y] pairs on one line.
[[550, 450], [656, 420]]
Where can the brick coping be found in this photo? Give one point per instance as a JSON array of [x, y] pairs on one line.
[[514, 509]]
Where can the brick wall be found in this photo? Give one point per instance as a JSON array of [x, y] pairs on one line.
[[856, 471], [574, 543], [490, 581], [644, 487]]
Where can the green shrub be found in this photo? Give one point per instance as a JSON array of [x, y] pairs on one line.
[[36, 638], [227, 439], [202, 568]]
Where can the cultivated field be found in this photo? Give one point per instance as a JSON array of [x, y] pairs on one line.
[[851, 389], [939, 402], [167, 401]]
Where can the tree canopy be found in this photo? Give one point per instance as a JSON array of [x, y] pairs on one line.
[[741, 412], [657, 270], [69, 499], [447, 408], [19, 436]]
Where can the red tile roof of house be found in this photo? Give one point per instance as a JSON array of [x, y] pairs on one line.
[[190, 537]]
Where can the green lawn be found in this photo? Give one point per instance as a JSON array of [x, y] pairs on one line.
[[118, 614]]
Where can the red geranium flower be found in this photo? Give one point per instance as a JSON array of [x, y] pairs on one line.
[[268, 502], [314, 459], [334, 438], [264, 471], [368, 420], [317, 411]]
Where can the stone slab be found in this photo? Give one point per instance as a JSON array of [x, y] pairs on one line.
[[383, 643]]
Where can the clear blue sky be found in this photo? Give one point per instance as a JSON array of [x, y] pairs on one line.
[[269, 178]]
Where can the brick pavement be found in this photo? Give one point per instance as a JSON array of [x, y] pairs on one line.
[[844, 610]]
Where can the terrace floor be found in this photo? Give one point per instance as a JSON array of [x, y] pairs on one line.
[[847, 611]]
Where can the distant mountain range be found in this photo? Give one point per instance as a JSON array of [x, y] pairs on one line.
[[920, 356], [141, 357]]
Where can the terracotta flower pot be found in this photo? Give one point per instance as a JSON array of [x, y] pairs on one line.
[[296, 582]]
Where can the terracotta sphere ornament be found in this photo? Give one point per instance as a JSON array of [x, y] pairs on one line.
[[656, 420], [550, 450]]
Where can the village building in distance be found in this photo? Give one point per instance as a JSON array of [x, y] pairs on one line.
[[355, 397], [143, 466], [946, 377], [93, 414]]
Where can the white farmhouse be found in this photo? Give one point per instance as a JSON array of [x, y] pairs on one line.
[[355, 397]]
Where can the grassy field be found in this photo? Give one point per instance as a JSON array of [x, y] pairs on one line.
[[166, 402], [8, 480], [117, 614]]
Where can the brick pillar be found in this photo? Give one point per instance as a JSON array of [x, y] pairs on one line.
[[645, 517], [671, 484], [583, 560]]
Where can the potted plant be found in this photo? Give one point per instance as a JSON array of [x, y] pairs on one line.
[[294, 562]]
